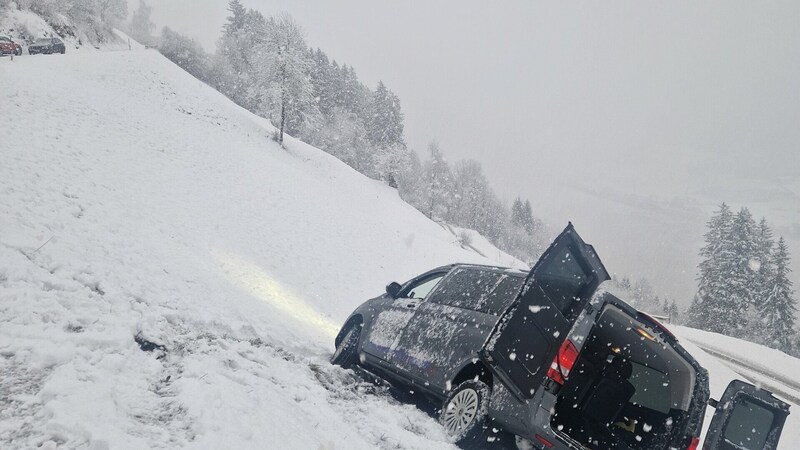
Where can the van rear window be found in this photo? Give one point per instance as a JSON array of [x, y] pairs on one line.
[[652, 388]]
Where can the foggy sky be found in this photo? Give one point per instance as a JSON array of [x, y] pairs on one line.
[[633, 119]]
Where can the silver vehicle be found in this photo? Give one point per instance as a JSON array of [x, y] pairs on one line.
[[543, 356]]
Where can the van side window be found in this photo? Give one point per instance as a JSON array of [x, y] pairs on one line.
[[465, 288], [502, 295], [423, 288]]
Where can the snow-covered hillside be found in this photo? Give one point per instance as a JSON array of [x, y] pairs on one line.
[[25, 26], [138, 203], [136, 200]]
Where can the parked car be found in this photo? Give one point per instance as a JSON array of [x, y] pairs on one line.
[[543, 356], [47, 46], [9, 47]]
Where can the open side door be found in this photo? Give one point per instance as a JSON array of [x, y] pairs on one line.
[[747, 418], [524, 342]]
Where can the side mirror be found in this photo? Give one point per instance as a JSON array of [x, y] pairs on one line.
[[393, 289]]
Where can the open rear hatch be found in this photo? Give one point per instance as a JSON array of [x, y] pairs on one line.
[[526, 339]]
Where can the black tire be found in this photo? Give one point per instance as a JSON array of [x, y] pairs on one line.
[[346, 353], [464, 415]]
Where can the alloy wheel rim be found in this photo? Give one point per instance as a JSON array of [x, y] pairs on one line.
[[461, 411]]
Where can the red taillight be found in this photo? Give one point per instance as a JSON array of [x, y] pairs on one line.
[[544, 441], [694, 444], [565, 359]]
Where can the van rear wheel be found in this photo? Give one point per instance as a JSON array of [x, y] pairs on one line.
[[464, 415]]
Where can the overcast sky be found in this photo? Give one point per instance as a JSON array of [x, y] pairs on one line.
[[619, 116]]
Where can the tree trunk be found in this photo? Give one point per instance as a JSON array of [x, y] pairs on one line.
[[283, 121]]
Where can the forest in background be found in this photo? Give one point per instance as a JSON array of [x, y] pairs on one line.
[[264, 64]]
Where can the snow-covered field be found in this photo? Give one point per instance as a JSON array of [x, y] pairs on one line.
[[136, 202]]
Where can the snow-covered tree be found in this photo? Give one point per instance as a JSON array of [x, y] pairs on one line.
[[388, 162], [233, 69], [185, 52], [282, 89], [743, 278], [778, 310], [763, 262], [439, 184], [711, 307], [141, 27], [385, 120], [112, 12]]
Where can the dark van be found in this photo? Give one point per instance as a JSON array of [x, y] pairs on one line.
[[546, 357]]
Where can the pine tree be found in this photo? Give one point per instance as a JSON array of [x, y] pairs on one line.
[[712, 308], [141, 27], [674, 313], [439, 183], [236, 21], [518, 213], [528, 222], [385, 121], [741, 279], [764, 260], [779, 309], [243, 33]]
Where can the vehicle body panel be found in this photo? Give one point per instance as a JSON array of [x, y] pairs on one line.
[[746, 418], [47, 46]]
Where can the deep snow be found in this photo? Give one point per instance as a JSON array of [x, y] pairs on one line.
[[136, 201]]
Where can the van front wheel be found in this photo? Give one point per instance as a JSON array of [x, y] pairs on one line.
[[345, 354]]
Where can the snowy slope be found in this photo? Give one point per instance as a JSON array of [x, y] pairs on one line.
[[136, 201], [24, 26], [472, 240]]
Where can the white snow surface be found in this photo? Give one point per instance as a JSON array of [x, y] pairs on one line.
[[135, 200], [472, 240]]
